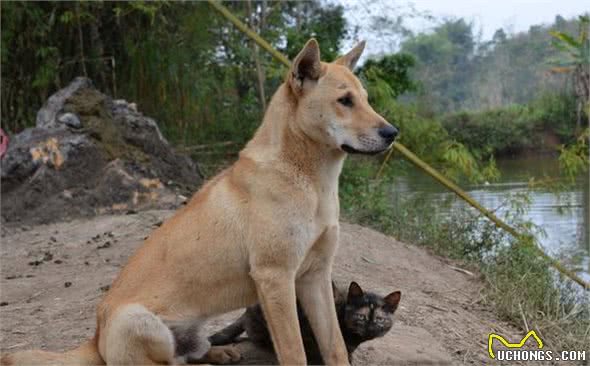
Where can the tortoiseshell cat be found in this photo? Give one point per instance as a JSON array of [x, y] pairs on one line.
[[362, 316]]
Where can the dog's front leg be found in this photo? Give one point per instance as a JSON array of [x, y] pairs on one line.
[[276, 294], [315, 294]]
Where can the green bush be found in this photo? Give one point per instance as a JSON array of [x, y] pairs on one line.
[[556, 112], [499, 131], [511, 129]]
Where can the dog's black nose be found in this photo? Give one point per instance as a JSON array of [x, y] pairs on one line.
[[388, 132]]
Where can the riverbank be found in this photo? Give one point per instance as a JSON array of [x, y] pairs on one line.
[[522, 287], [54, 275]]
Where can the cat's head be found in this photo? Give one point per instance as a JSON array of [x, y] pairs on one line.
[[368, 315]]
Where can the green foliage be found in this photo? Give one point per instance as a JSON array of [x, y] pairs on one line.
[[575, 51], [392, 69], [499, 131], [325, 22], [574, 59], [514, 128], [573, 159]]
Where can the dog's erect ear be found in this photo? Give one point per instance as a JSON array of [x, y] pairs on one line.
[[392, 301], [351, 58], [354, 291], [306, 66]]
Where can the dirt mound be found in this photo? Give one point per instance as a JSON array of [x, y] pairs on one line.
[[53, 276], [91, 154]]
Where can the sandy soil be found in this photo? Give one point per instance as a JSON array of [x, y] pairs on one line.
[[52, 276]]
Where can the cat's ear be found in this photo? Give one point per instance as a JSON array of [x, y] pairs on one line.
[[354, 291], [392, 301]]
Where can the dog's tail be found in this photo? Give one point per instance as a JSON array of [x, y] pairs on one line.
[[228, 334], [86, 354]]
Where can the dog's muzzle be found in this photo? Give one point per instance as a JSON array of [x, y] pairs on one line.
[[387, 134]]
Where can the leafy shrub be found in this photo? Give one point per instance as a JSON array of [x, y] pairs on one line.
[[498, 131], [514, 128]]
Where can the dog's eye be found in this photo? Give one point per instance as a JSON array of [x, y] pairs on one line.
[[346, 101]]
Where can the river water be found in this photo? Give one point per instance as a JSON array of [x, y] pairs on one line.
[[565, 220]]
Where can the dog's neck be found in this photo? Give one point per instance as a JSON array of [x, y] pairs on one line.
[[279, 137]]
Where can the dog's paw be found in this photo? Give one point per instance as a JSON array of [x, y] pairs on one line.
[[223, 355]]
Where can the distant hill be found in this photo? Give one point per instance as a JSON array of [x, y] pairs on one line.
[[457, 71]]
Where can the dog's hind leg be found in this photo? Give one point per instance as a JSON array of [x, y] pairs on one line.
[[136, 336]]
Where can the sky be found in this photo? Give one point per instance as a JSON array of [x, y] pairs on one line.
[[515, 15], [512, 15]]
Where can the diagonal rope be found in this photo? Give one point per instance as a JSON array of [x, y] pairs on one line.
[[416, 160]]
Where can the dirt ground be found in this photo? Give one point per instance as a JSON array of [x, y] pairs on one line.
[[52, 276]]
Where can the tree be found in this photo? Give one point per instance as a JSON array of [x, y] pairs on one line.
[[394, 70], [443, 64], [574, 59]]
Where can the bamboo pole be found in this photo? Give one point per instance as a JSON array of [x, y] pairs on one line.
[[415, 159]]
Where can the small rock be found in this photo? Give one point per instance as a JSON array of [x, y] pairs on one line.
[[3, 303], [67, 284], [47, 257], [105, 288], [107, 244], [58, 261], [70, 120]]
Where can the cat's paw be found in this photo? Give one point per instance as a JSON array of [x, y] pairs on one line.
[[223, 355]]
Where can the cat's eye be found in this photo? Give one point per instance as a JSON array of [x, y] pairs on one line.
[[346, 101], [360, 316]]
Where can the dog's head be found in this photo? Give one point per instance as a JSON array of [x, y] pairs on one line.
[[332, 105]]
